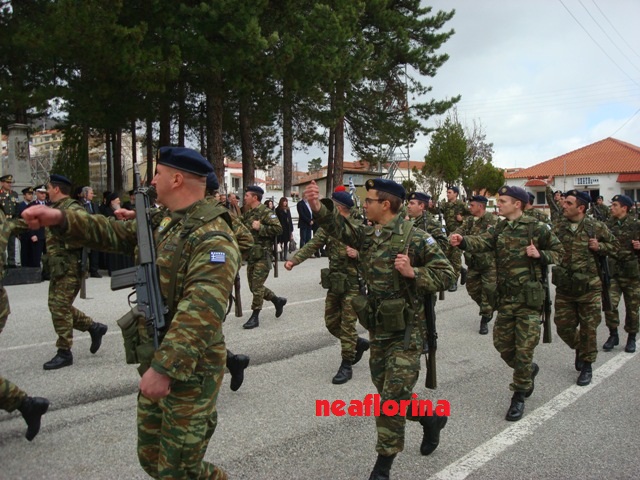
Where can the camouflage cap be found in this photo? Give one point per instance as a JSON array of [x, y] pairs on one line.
[[385, 185], [582, 197]]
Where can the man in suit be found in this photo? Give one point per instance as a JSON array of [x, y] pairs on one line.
[[305, 221], [92, 208]]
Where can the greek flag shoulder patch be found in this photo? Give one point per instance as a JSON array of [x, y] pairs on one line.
[[430, 240], [217, 257]]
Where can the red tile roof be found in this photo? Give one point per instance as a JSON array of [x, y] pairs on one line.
[[628, 177], [606, 156], [535, 183]]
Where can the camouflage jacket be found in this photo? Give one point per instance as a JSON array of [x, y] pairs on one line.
[[378, 252], [9, 203], [430, 224], [625, 230], [537, 214], [600, 212], [242, 233], [270, 226], [477, 226], [339, 261], [508, 240], [209, 261], [451, 210], [575, 237], [554, 208], [57, 245]]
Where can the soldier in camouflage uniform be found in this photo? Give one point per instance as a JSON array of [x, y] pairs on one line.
[[454, 211], [9, 205], [625, 273], [599, 210], [577, 280], [181, 379], [482, 266], [555, 201], [264, 226], [66, 276], [417, 210], [400, 265], [11, 396], [534, 212], [521, 245], [342, 281]]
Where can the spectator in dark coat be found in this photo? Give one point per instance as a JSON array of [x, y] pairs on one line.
[[284, 215]]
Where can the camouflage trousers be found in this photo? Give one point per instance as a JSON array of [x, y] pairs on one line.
[[394, 372], [630, 288], [340, 319], [454, 255], [4, 308], [515, 336], [174, 432], [10, 395], [62, 292], [577, 320], [257, 274], [477, 283]]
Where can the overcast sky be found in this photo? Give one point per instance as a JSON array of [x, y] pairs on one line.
[[540, 82]]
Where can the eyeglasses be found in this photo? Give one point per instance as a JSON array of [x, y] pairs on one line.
[[369, 201]]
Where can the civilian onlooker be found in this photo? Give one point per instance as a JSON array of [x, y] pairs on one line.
[[92, 208], [284, 215]]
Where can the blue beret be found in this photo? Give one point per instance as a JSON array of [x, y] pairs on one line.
[[388, 186], [343, 198], [212, 182], [185, 159], [623, 200], [532, 197], [255, 189], [59, 179], [518, 193], [582, 197], [421, 197], [479, 199], [454, 189]]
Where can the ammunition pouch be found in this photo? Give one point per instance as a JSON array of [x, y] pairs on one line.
[[336, 282], [627, 269], [256, 253], [360, 304], [392, 315], [533, 294], [136, 349], [571, 283]]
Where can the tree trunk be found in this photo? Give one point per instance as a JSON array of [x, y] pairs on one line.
[[330, 157], [214, 135], [246, 142], [117, 162], [287, 140], [150, 167], [109, 160], [182, 113], [338, 159], [165, 122]]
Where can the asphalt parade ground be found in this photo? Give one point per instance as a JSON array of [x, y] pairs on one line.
[[269, 428]]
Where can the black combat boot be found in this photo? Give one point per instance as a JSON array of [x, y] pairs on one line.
[[578, 363], [254, 320], [431, 427], [453, 287], [516, 409], [463, 276], [484, 328], [344, 373], [382, 468], [585, 375], [63, 358], [236, 365], [534, 371], [97, 331], [612, 341], [279, 303], [32, 409], [631, 343], [362, 345]]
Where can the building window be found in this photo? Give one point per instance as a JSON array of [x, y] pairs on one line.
[[634, 194], [540, 198]]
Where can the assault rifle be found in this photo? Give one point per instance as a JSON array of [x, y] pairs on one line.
[[547, 335], [605, 276], [275, 257], [84, 261], [432, 341], [236, 295], [144, 277]]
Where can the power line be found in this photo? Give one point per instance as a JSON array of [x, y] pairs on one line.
[[615, 29], [623, 125]]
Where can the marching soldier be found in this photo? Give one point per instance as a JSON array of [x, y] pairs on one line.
[[9, 205], [577, 280], [482, 266], [625, 273], [400, 264], [599, 210], [342, 281], [534, 212], [418, 211], [264, 226], [555, 201], [454, 211], [521, 245]]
